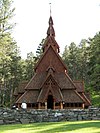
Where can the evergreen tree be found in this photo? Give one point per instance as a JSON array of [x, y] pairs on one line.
[[39, 50], [30, 62], [83, 60], [94, 62], [9, 53]]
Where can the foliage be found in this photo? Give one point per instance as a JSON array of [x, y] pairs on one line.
[[39, 50], [6, 13], [29, 65], [9, 53], [76, 58], [95, 99], [54, 127], [94, 62], [83, 62]]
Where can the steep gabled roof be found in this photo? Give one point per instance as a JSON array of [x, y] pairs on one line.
[[29, 97], [21, 87], [87, 101], [64, 81], [71, 96], [36, 81], [50, 40], [50, 75], [56, 54], [55, 89], [79, 86]]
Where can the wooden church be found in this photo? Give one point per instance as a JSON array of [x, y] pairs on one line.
[[51, 87]]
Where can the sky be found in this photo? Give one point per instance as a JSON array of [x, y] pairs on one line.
[[74, 20]]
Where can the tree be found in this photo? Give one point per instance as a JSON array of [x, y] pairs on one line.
[[83, 60], [94, 62], [39, 50], [9, 54], [6, 13], [70, 56], [30, 62]]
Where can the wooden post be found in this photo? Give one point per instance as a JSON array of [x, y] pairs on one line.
[[45, 105], [54, 105], [39, 105], [83, 105], [61, 105]]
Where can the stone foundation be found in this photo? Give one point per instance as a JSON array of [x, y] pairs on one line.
[[10, 116]]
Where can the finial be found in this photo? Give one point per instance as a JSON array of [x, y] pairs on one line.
[[50, 8]]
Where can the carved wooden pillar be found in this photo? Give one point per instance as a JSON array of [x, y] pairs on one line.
[[39, 105], [83, 105], [61, 105], [54, 105], [45, 105]]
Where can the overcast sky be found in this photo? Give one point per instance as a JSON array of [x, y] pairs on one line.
[[73, 20]]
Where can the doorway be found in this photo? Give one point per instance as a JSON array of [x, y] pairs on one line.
[[50, 102]]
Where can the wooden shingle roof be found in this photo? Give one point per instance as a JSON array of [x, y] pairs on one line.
[[28, 97], [71, 96], [21, 87], [56, 54], [87, 101], [36, 81], [79, 85], [64, 81]]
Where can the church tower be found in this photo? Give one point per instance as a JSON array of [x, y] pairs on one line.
[[51, 87]]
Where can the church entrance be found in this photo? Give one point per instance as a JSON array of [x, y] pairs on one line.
[[50, 102]]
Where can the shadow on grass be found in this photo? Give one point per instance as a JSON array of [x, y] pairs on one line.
[[52, 127], [72, 127]]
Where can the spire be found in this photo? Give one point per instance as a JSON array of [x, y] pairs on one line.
[[50, 31], [50, 8], [50, 39]]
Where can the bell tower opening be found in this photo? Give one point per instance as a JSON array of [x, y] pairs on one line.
[[50, 102]]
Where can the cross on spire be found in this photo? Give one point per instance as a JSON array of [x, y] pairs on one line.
[[50, 8]]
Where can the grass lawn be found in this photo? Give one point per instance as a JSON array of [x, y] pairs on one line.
[[53, 127]]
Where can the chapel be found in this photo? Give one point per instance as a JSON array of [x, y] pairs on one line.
[[51, 87]]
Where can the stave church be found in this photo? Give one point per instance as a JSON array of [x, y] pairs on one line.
[[51, 87]]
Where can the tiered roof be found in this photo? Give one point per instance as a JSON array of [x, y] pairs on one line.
[[51, 77]]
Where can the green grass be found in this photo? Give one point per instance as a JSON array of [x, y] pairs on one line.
[[53, 127]]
